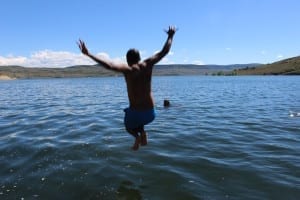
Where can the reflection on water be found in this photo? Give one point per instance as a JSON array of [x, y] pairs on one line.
[[221, 138]]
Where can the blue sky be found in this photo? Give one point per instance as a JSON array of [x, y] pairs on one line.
[[44, 33]]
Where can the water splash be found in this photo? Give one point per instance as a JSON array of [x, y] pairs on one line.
[[294, 114]]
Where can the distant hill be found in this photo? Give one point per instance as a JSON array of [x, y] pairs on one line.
[[290, 66], [74, 71], [98, 71], [179, 69]]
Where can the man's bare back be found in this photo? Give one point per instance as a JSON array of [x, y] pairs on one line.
[[138, 76], [139, 87]]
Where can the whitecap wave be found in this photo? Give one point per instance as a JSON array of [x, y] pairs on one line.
[[294, 114]]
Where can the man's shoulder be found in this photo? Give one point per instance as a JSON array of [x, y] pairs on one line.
[[145, 64]]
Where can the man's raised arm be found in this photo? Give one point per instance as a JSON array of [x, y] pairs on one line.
[[105, 63], [165, 50]]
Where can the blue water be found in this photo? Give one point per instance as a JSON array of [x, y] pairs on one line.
[[222, 138]]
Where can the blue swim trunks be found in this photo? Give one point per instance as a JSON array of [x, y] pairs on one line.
[[136, 118]]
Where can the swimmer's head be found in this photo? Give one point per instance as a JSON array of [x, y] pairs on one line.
[[133, 56], [166, 103]]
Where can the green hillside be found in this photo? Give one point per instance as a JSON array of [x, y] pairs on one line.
[[290, 66], [18, 72], [71, 72]]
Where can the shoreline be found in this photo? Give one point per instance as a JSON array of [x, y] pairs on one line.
[[6, 78]]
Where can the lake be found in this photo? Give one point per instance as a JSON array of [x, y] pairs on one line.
[[221, 138]]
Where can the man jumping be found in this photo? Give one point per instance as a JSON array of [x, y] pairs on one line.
[[138, 76]]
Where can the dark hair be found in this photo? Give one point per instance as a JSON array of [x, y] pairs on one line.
[[133, 56]]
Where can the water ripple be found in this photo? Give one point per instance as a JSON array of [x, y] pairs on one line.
[[222, 138]]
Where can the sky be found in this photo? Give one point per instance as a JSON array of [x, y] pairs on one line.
[[35, 33]]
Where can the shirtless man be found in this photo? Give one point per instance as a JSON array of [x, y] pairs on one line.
[[138, 79]]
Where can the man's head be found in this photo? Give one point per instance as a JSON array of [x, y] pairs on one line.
[[133, 56]]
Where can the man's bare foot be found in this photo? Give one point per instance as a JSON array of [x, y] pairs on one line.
[[144, 138], [136, 144]]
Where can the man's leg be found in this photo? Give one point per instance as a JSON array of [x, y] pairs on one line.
[[135, 133], [143, 136]]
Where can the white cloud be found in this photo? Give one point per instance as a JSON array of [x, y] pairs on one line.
[[228, 49], [11, 60], [107, 57], [103, 55], [279, 56], [198, 62], [185, 61], [49, 58], [166, 61]]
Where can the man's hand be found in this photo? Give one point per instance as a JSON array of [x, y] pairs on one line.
[[82, 47], [171, 31]]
